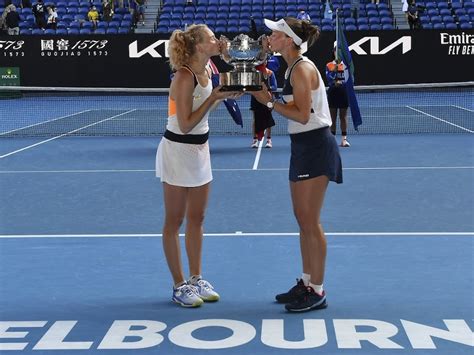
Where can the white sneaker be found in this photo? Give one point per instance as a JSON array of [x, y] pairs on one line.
[[345, 143], [186, 296], [205, 291], [269, 144], [254, 144]]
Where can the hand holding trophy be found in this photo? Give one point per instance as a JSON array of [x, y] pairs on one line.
[[243, 53]]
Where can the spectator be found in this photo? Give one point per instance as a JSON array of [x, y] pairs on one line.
[[336, 73], [108, 10], [52, 17], [12, 21], [262, 116], [303, 15], [3, 25], [140, 11], [26, 4], [93, 16], [412, 16], [39, 10]]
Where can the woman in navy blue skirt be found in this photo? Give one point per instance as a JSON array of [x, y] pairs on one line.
[[315, 158]]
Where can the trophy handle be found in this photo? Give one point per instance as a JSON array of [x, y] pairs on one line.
[[225, 44]]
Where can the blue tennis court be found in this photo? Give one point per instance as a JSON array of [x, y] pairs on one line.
[[82, 268]]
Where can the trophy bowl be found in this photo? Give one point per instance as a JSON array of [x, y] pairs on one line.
[[243, 53]]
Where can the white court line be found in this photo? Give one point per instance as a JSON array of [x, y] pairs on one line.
[[113, 171], [62, 135], [43, 122], [257, 157], [462, 108], [440, 119], [242, 234]]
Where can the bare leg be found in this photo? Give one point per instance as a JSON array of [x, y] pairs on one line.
[[196, 208], [308, 198], [175, 208], [333, 112], [343, 118]]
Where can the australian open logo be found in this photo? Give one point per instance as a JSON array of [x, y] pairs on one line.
[[458, 44]]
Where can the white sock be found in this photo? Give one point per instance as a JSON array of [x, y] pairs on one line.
[[317, 288], [305, 278], [194, 279], [179, 284]]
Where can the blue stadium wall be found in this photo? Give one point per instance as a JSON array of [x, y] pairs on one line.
[[380, 57]]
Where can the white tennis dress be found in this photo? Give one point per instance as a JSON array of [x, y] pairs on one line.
[[182, 164]]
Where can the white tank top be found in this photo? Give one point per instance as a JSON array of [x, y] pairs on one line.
[[320, 116], [200, 94]]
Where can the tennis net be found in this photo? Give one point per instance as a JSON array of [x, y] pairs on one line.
[[394, 109]]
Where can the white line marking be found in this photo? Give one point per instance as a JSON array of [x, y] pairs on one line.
[[114, 171], [62, 135], [241, 234], [462, 108], [440, 119], [257, 157], [43, 122]]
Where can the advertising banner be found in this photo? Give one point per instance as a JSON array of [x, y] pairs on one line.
[[141, 60]]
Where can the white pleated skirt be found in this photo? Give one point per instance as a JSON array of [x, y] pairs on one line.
[[182, 164]]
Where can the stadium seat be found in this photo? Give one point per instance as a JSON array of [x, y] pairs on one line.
[[75, 25], [443, 5], [388, 26], [87, 25], [349, 21], [448, 19], [451, 26], [162, 29], [115, 24], [427, 26], [363, 27], [112, 31], [444, 12], [327, 28], [464, 18], [220, 29], [61, 31], [25, 31], [460, 12], [350, 27], [72, 31], [374, 20], [123, 30], [463, 25], [439, 26], [468, 5]]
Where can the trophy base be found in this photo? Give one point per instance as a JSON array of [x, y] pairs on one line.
[[241, 88]]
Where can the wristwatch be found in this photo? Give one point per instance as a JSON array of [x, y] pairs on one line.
[[271, 104]]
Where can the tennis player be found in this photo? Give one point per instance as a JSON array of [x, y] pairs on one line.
[[183, 161], [315, 158]]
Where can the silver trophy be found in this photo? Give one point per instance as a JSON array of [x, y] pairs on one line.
[[243, 53]]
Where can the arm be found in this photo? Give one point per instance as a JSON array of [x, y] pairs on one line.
[[303, 80], [181, 91]]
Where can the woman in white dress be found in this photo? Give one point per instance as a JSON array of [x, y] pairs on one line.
[[183, 161]]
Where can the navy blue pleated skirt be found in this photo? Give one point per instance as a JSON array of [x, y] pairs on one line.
[[315, 153]]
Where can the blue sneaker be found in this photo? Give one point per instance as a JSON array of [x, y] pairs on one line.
[[186, 296], [308, 302], [293, 294], [205, 290]]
